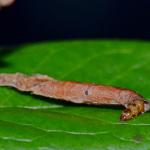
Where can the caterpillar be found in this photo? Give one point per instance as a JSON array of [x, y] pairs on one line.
[[80, 93]]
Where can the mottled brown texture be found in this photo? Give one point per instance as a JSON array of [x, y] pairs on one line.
[[78, 92]]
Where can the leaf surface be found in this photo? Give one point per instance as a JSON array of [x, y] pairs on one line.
[[34, 122]]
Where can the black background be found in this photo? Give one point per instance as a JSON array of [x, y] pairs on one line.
[[36, 20]]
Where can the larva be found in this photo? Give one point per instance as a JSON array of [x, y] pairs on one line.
[[76, 92]]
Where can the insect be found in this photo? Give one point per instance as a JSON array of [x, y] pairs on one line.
[[81, 93]]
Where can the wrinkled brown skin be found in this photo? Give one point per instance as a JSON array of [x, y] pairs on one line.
[[82, 93]]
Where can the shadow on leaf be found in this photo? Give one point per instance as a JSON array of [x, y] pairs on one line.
[[4, 52]]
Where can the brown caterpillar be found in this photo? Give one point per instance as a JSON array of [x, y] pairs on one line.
[[82, 93]]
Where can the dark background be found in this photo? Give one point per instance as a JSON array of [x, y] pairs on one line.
[[36, 20]]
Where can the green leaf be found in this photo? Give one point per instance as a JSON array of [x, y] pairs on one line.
[[34, 122]]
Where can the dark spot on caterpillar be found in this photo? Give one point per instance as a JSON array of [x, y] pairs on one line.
[[86, 92]]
